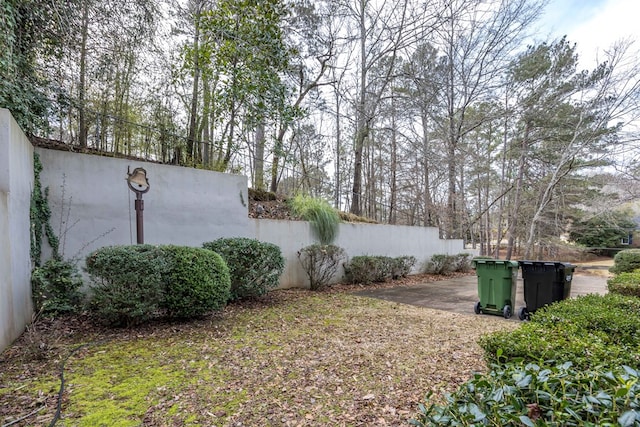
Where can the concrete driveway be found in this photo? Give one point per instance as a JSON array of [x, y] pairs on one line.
[[459, 295]]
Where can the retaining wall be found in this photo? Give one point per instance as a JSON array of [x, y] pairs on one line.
[[16, 185]]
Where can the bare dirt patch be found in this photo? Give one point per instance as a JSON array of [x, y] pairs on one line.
[[293, 358]]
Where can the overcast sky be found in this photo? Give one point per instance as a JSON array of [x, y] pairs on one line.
[[593, 24]]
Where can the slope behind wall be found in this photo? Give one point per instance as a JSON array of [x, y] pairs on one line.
[[16, 184]]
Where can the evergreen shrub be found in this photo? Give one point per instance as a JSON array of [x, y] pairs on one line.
[[198, 281], [366, 269], [591, 330], [530, 394], [625, 284], [55, 287], [626, 261], [128, 283], [255, 267]]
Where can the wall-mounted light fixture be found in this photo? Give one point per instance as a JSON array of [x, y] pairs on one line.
[[139, 184]]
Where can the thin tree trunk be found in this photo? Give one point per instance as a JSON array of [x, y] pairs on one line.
[[83, 128]]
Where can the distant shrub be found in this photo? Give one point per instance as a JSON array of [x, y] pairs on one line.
[[128, 283], [55, 287], [462, 262], [625, 284], [366, 269], [626, 261], [198, 281], [324, 219], [321, 263], [255, 267], [401, 266], [591, 330], [441, 264], [529, 394]]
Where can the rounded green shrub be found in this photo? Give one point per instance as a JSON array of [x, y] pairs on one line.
[[128, 283], [255, 267], [626, 261], [197, 282], [625, 284], [588, 331], [529, 394]]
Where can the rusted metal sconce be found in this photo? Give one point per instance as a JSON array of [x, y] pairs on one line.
[[139, 184]]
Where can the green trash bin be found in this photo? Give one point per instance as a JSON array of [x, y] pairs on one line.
[[545, 282], [496, 286]]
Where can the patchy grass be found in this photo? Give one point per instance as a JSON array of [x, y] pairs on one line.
[[294, 358]]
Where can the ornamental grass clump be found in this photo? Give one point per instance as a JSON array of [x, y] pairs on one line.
[[323, 218]]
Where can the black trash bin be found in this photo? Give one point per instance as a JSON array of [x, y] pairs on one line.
[[544, 282]]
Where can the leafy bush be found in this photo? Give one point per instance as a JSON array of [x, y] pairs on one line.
[[255, 267], [626, 261], [321, 262], [55, 287], [324, 219], [401, 266], [441, 264], [198, 281], [462, 262], [534, 395], [366, 269], [128, 283], [625, 284], [589, 331]]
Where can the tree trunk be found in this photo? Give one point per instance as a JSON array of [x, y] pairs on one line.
[[82, 119], [258, 166], [191, 137]]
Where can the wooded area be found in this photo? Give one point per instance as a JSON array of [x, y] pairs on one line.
[[442, 113]]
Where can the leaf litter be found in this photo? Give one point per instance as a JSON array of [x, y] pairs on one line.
[[291, 358]]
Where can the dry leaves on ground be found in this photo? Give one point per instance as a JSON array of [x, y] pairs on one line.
[[294, 358]]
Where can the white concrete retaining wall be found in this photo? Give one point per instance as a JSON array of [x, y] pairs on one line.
[[92, 205], [355, 239], [16, 185]]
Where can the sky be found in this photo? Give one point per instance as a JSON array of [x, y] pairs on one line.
[[593, 24]]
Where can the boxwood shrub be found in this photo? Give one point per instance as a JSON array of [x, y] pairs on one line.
[[132, 284], [540, 395], [255, 267], [198, 281], [588, 331], [128, 283], [625, 284], [626, 261]]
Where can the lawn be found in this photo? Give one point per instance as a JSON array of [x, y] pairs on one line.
[[294, 358]]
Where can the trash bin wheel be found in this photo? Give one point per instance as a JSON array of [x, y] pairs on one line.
[[506, 312], [523, 314], [477, 308]]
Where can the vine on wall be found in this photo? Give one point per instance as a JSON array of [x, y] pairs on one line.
[[40, 215]]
